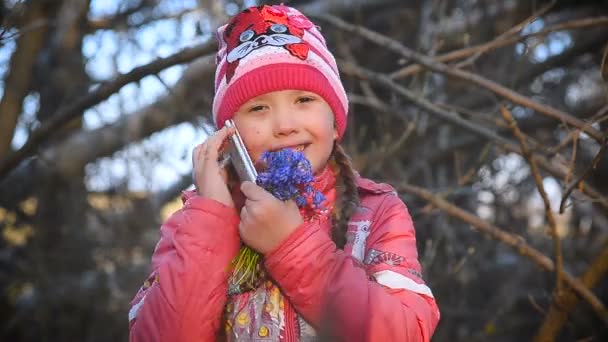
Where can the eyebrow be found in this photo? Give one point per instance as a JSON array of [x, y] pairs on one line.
[[259, 98], [292, 92], [300, 92]]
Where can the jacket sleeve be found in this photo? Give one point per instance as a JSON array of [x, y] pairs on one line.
[[383, 299], [183, 298]]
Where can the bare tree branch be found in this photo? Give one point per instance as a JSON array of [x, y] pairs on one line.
[[513, 241], [17, 82], [501, 42], [120, 21], [453, 118], [340, 7], [529, 156], [104, 91], [68, 157], [578, 182], [463, 75], [512, 31], [558, 312]]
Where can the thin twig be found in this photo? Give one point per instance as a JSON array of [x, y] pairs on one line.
[[602, 119], [118, 22], [572, 158], [601, 115], [476, 79], [498, 43], [454, 118], [536, 305], [385, 153], [543, 194], [558, 312], [462, 181], [578, 181], [534, 146], [572, 135], [513, 31], [345, 50], [33, 26], [479, 117], [67, 113], [515, 242], [468, 176], [381, 106]]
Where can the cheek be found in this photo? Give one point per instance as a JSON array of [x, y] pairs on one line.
[[254, 141]]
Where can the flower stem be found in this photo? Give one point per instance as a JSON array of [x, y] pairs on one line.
[[245, 270]]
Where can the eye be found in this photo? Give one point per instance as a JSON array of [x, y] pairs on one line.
[[246, 35], [305, 99], [257, 108], [278, 28]]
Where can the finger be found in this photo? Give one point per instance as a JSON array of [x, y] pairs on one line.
[[254, 192], [244, 218], [216, 140], [224, 161], [196, 154], [291, 203], [224, 145], [244, 214]]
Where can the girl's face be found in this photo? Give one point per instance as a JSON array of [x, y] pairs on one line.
[[288, 118]]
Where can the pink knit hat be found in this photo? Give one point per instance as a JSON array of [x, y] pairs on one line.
[[271, 48]]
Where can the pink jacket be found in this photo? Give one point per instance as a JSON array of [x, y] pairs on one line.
[[370, 291]]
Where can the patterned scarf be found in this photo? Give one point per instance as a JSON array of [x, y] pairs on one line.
[[264, 314]]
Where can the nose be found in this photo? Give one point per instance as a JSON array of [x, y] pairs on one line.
[[261, 40], [285, 123]]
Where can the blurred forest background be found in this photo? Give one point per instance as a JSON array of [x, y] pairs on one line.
[[490, 117]]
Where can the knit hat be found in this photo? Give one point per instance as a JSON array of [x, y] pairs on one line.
[[271, 48]]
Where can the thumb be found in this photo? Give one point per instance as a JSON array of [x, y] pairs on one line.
[[254, 192]]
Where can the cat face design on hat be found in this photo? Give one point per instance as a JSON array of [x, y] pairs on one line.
[[259, 27]]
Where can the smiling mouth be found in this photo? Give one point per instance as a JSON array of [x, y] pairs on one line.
[[298, 148]]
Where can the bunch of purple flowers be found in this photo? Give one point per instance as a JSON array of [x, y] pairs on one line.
[[288, 175]]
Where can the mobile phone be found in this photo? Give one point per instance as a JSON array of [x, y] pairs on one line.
[[239, 157]]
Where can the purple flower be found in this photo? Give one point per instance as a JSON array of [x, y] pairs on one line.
[[288, 175]]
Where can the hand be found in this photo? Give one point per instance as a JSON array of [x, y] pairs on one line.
[[210, 179], [265, 220]]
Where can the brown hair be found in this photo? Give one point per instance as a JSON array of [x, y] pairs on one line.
[[347, 196]]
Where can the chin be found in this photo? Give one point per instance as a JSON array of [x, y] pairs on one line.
[[316, 169]]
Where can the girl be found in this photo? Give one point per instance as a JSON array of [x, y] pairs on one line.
[[349, 273]]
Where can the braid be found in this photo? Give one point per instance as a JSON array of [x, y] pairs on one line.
[[347, 196]]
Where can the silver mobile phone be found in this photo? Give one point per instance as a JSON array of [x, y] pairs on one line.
[[239, 157]]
